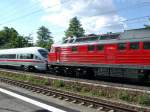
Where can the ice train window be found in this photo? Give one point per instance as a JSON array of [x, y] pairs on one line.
[[26, 56], [1, 56], [38, 58], [12, 56], [8, 56]]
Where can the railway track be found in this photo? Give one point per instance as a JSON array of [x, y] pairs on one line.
[[136, 86], [99, 104]]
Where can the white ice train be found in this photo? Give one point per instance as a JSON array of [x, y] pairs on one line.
[[26, 58]]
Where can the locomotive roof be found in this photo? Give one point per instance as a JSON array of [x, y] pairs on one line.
[[20, 50], [136, 33], [126, 36]]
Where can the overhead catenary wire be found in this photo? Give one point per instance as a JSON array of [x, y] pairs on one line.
[[5, 9], [122, 22], [14, 11], [30, 14], [40, 10]]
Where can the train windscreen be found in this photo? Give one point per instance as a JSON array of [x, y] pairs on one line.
[[43, 52]]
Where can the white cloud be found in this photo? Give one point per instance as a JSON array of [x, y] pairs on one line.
[[95, 15]]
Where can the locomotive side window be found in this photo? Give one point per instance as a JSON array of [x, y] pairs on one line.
[[74, 48], [122, 46], [100, 47], [134, 45], [91, 48], [146, 45]]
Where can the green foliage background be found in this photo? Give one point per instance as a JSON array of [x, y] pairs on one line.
[[45, 39], [75, 28], [10, 38]]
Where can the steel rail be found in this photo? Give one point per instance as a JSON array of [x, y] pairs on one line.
[[100, 104]]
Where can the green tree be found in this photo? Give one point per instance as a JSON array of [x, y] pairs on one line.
[[75, 28], [10, 38], [44, 37], [7, 34], [29, 40], [20, 42], [147, 26]]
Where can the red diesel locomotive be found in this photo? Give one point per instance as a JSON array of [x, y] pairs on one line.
[[125, 55]]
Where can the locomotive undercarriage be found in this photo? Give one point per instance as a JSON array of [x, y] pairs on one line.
[[80, 72], [101, 72], [121, 73]]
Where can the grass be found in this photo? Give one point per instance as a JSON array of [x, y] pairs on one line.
[[144, 100], [127, 96], [58, 83], [26, 78]]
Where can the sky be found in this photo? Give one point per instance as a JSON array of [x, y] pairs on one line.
[[96, 16]]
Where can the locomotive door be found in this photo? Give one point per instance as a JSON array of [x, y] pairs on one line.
[[110, 54], [58, 54]]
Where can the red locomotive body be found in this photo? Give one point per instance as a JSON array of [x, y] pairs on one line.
[[109, 54]]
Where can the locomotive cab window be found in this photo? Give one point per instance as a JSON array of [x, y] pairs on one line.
[[100, 47], [134, 45], [57, 49], [91, 48], [122, 46], [146, 45], [74, 49]]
